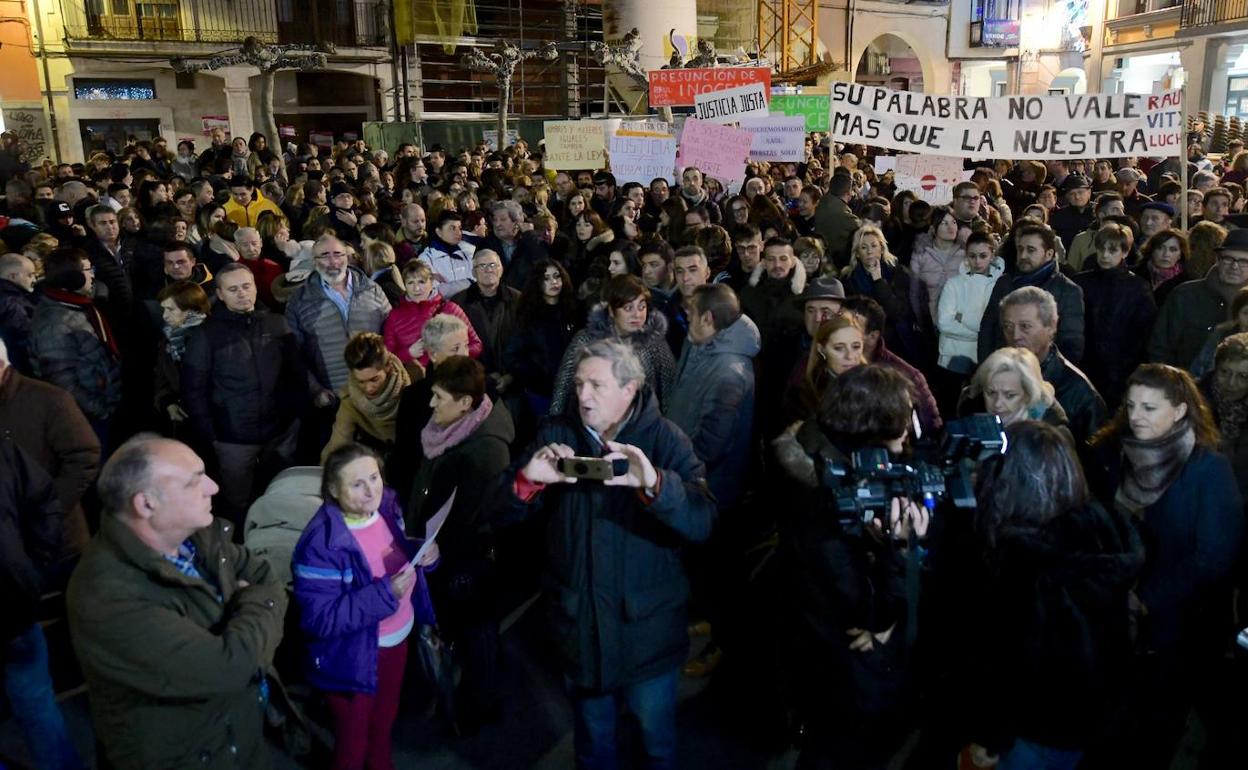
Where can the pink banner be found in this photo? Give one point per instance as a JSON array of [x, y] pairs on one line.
[[717, 151]]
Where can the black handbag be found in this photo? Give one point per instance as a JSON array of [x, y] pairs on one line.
[[437, 665]]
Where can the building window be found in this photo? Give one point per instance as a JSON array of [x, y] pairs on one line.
[[99, 88], [1237, 96]]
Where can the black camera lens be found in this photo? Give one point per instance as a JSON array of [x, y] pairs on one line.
[[580, 469]]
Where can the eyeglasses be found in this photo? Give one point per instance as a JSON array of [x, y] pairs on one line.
[[488, 267], [1238, 264]]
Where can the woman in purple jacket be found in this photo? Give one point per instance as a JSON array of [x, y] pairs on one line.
[[359, 599]]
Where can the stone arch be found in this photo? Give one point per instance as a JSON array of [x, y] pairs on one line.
[[906, 39], [1073, 79]]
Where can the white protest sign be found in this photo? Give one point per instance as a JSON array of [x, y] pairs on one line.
[[1011, 127], [931, 177], [778, 139], [642, 158], [643, 128], [574, 144], [434, 526], [719, 152], [884, 163], [490, 135], [732, 104]]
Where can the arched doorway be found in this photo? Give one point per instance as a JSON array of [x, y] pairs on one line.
[[890, 62], [1072, 80]]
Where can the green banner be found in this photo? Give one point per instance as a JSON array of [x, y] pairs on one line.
[[813, 108]]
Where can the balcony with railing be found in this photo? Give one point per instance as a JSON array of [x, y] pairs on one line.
[[1206, 13], [361, 23]]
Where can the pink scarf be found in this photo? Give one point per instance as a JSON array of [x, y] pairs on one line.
[[1161, 276], [436, 439]]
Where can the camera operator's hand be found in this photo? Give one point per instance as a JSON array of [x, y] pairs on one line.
[[906, 516], [865, 641], [982, 757], [543, 468], [640, 474]]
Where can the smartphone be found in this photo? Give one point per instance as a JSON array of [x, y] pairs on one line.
[[1242, 639], [592, 468]]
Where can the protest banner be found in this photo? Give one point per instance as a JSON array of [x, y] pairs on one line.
[[778, 138], [930, 177], [731, 105], [1010, 127], [29, 125], [490, 135], [641, 158], [717, 151], [641, 128], [678, 87], [813, 108], [574, 144]]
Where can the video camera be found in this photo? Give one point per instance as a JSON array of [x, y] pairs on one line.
[[865, 483]]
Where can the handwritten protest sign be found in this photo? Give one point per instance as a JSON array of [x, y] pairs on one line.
[[678, 87], [731, 105], [490, 135], [719, 152], [641, 128], [642, 158], [574, 144], [30, 127], [779, 138], [930, 177], [813, 108], [1013, 127]]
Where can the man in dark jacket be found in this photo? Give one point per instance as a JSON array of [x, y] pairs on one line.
[[490, 304], [172, 620], [46, 423], [1036, 266], [769, 299], [17, 306], [615, 584], [242, 382], [518, 250], [1076, 213], [30, 540], [834, 222], [1030, 318], [1195, 307]]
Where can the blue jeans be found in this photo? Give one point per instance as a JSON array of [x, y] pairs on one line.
[[1034, 756], [28, 686], [652, 702]]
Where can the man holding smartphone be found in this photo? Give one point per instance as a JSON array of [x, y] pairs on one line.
[[615, 584]]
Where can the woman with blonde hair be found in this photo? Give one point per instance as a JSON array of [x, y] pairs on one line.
[[874, 272], [379, 264], [1009, 384]]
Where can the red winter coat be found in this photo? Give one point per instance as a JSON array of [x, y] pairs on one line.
[[405, 323]]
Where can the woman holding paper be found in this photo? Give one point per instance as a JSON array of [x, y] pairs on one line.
[[359, 598], [463, 449]]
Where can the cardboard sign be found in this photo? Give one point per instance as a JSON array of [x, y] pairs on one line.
[[642, 158], [931, 177], [778, 139], [574, 144], [490, 135], [679, 87], [813, 108], [1010, 127], [731, 105], [717, 151]]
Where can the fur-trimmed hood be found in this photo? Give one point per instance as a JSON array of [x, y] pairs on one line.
[[797, 278], [601, 326]]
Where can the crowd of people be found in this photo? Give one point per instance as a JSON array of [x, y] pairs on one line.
[[457, 329]]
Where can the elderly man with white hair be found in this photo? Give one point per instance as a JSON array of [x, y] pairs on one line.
[[615, 584], [17, 305], [336, 302], [250, 245]]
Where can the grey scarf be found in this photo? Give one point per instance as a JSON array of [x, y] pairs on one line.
[[1152, 466]]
